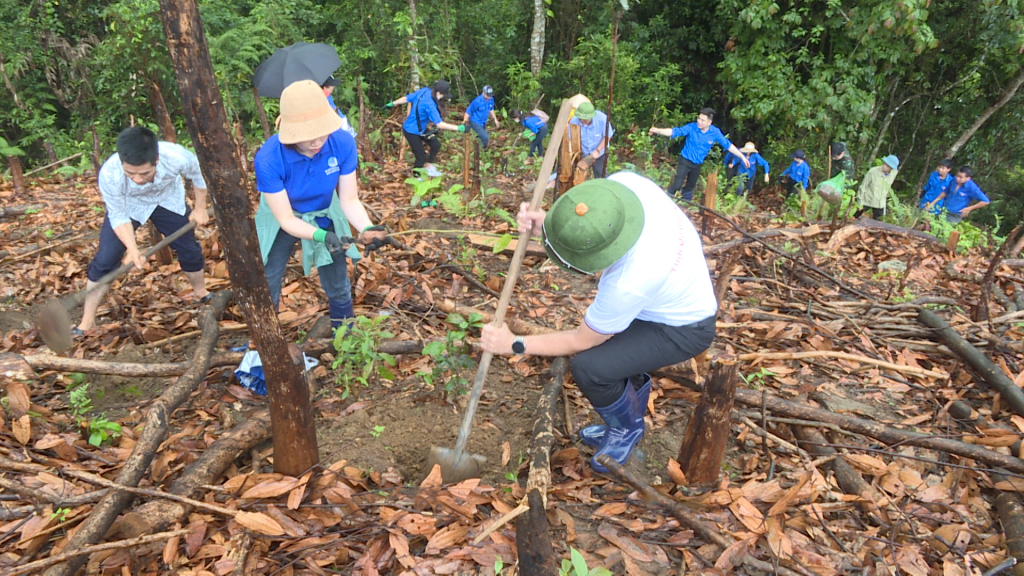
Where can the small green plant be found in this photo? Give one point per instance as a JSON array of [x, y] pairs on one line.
[[6, 149], [357, 358], [79, 400], [131, 390], [577, 566], [756, 379], [451, 356], [421, 188], [907, 296], [31, 210], [48, 233], [376, 431], [733, 204], [101, 430], [498, 566], [98, 209], [452, 201], [60, 514]]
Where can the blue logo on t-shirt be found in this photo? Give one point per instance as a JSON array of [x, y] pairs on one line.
[[333, 163]]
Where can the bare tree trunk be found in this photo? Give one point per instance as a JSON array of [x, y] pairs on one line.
[[97, 161], [163, 118], [295, 447], [540, 15], [10, 86], [1014, 86], [881, 136], [414, 52], [16, 174]]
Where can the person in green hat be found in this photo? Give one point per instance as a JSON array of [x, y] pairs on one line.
[[874, 189], [655, 305], [595, 132]]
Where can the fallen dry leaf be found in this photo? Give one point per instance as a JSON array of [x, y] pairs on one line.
[[259, 522]]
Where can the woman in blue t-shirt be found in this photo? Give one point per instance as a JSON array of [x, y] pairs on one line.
[[423, 122], [306, 174], [536, 129]]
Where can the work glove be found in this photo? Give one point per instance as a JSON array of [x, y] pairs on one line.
[[587, 161], [373, 242], [336, 245], [460, 128], [389, 106], [528, 134]]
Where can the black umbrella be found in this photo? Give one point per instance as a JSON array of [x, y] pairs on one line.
[[300, 61]]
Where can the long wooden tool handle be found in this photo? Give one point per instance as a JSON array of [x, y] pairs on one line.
[[513, 275], [111, 276]]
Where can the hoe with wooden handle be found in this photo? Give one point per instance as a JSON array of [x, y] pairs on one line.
[[457, 465], [53, 319]]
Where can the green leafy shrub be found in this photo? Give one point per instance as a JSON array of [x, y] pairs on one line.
[[357, 358], [451, 356]]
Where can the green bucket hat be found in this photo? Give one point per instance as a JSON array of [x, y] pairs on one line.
[[593, 225], [586, 111]]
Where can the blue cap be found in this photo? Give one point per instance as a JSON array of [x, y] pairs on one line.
[[798, 154], [892, 161]]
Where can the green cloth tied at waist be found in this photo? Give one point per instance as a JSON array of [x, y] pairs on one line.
[[313, 253]]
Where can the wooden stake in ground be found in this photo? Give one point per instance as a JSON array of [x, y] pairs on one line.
[[16, 176], [295, 448], [465, 162], [707, 432], [262, 113]]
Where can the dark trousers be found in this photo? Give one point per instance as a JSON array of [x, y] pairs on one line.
[[481, 132], [333, 278], [602, 371], [687, 174], [876, 213], [416, 144], [537, 144], [111, 251], [600, 166]]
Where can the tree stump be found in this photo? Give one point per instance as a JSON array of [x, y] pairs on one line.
[[16, 174], [707, 432], [954, 239]]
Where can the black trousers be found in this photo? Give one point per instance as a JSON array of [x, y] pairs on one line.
[[876, 213], [416, 144], [687, 174], [111, 250], [602, 371]]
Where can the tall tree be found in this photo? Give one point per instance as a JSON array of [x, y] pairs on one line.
[[295, 448], [986, 114], [540, 15]]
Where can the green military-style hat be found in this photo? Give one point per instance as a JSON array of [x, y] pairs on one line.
[[593, 225], [586, 111]]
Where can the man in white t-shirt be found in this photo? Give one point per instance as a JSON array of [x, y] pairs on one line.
[[655, 305]]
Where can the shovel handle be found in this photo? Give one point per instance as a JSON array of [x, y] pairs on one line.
[[513, 274], [111, 276]]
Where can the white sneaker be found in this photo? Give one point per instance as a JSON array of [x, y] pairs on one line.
[[432, 171]]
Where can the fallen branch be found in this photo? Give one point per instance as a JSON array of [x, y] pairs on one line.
[[155, 428], [87, 550], [989, 372], [878, 431], [842, 356], [52, 164], [687, 518], [846, 476], [18, 210], [1011, 516], [534, 546], [807, 232], [841, 235]]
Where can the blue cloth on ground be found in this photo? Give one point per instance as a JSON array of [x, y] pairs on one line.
[[250, 372]]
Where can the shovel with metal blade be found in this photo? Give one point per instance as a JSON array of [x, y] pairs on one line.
[[53, 319], [457, 465]]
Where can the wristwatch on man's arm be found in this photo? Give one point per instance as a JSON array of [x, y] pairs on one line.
[[519, 345]]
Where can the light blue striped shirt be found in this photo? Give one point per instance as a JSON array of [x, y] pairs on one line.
[[127, 201]]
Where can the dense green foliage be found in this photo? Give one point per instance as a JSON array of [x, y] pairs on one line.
[[906, 77]]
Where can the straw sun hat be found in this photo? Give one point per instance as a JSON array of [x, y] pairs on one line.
[[305, 113]]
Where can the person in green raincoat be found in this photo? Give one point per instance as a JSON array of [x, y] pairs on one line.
[[309, 193], [874, 189]]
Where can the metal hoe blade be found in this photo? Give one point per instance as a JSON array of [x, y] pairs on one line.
[[55, 326]]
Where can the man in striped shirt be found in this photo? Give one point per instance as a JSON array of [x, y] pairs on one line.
[[143, 182]]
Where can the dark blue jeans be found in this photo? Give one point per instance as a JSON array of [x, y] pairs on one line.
[[333, 278], [480, 131], [538, 141], [111, 250]]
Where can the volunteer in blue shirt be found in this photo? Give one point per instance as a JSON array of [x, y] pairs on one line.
[[750, 172], [536, 130], [937, 183], [328, 87], [593, 140], [700, 136], [306, 175], [476, 116], [959, 195], [798, 171], [424, 121]]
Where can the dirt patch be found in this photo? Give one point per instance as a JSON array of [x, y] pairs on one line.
[[14, 320], [117, 395], [397, 429], [432, 224]]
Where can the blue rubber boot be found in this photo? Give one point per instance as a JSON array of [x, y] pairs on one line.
[[592, 435], [624, 429]]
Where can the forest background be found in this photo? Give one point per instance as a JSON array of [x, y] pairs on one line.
[[915, 78]]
